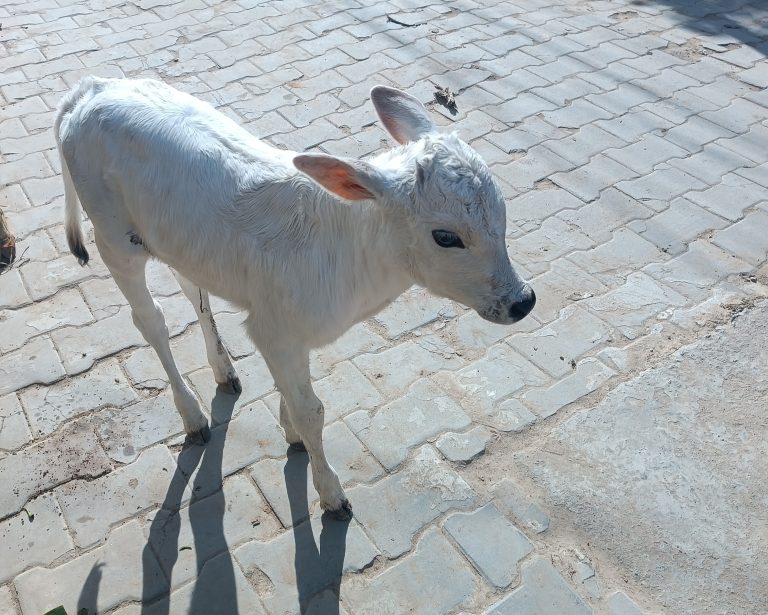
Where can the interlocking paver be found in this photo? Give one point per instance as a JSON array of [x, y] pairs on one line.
[[556, 346], [122, 571], [493, 545], [344, 452], [543, 591], [132, 488], [747, 238], [291, 585], [14, 430], [397, 507], [434, 579], [422, 413], [50, 406], [695, 272], [465, 446], [674, 227]]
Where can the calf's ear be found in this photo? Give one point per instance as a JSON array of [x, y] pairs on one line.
[[404, 117], [353, 180]]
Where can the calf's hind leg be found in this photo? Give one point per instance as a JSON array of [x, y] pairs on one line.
[[218, 356], [127, 264]]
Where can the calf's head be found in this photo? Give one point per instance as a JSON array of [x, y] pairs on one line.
[[452, 209]]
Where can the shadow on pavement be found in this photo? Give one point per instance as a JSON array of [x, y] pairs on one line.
[[214, 592], [317, 567], [745, 21]]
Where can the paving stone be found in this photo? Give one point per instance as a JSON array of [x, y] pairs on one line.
[[81, 347], [12, 291], [749, 143], [553, 239], [434, 579], [513, 416], [520, 107], [344, 452], [119, 567], [145, 370], [611, 210], [393, 510], [209, 526], [693, 134], [747, 238], [588, 181], [510, 499], [14, 431], [537, 164], [588, 376], [631, 126], [674, 227], [254, 375], [630, 307], [738, 116], [300, 563], [729, 198], [542, 591], [530, 209], [562, 285], [661, 186], [613, 261], [72, 451], [92, 507], [36, 362], [588, 141], [35, 537], [412, 310], [711, 163], [125, 432], [252, 435], [358, 340], [50, 406], [621, 604], [344, 391], [557, 346], [425, 411], [530, 132], [493, 545], [696, 272], [220, 588], [392, 371], [465, 446], [643, 155], [472, 335], [758, 174]]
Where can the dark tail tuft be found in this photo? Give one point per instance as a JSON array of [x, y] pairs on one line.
[[78, 249]]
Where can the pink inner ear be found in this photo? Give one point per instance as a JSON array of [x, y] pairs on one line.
[[334, 175]]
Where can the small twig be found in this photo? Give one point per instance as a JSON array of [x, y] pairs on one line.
[[402, 23]]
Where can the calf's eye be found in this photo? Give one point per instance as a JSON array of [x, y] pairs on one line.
[[447, 239]]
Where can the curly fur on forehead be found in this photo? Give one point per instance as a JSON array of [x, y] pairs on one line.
[[452, 178]]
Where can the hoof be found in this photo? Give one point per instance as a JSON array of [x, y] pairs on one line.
[[201, 436], [297, 447], [344, 513], [232, 386]]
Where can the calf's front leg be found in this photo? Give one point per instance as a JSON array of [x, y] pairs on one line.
[[303, 416]]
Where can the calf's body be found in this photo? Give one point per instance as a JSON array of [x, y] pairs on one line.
[[308, 245]]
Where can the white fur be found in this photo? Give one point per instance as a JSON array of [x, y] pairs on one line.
[[162, 174]]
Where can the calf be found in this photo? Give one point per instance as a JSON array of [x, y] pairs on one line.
[[308, 244]]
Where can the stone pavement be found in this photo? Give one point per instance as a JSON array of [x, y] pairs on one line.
[[606, 455]]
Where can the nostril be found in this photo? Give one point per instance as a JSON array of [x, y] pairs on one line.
[[521, 309]]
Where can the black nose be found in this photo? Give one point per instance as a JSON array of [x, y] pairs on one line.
[[521, 309]]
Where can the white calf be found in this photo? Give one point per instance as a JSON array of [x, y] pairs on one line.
[[162, 174]]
